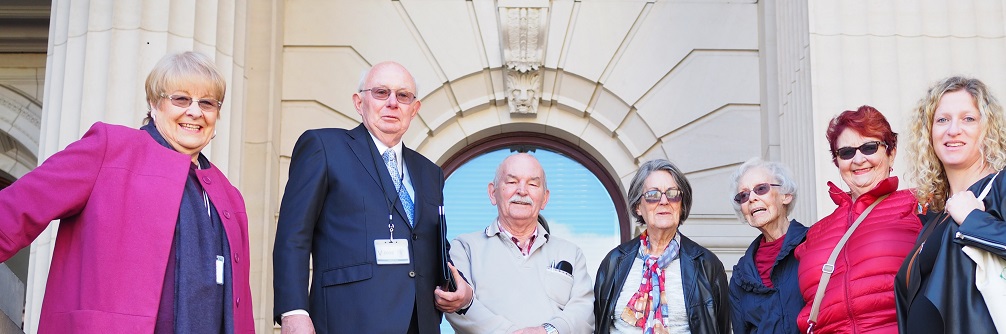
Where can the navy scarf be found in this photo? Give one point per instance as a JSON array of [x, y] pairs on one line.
[[192, 301]]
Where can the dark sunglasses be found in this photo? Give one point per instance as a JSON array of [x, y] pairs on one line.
[[183, 101], [760, 189], [653, 196], [868, 148], [382, 93]]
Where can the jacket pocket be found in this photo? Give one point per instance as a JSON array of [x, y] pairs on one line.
[[348, 274]]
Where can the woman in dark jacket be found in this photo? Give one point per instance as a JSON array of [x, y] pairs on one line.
[[764, 289], [957, 147], [661, 280]]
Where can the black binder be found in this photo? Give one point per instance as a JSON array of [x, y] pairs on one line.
[[446, 279]]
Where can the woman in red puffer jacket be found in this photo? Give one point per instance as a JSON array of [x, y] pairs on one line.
[[860, 296]]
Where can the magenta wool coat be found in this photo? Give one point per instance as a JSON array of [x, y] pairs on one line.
[[117, 193]]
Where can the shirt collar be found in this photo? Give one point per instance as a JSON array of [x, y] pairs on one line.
[[381, 148]]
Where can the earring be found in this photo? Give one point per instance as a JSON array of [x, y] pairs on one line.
[[214, 134], [153, 116]]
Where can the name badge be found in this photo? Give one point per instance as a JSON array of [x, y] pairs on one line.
[[392, 251], [220, 270]]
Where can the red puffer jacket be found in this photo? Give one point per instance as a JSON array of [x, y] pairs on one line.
[[860, 296]]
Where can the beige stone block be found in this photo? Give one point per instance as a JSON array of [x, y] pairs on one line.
[[436, 148], [609, 110], [560, 17], [498, 87], [488, 28], [436, 109], [566, 123], [601, 27], [479, 120], [473, 90], [711, 193], [702, 83], [573, 90], [636, 134], [350, 22], [723, 138], [329, 75], [300, 116], [609, 150], [673, 30], [459, 55]]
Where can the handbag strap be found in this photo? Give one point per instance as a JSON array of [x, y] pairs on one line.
[[988, 186], [829, 267]]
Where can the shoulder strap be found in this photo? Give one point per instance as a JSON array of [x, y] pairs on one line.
[[829, 267]]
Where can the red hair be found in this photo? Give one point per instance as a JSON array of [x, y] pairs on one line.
[[868, 122]]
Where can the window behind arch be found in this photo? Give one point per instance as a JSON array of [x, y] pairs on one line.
[[579, 208]]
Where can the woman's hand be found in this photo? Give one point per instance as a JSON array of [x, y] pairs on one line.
[[961, 204]]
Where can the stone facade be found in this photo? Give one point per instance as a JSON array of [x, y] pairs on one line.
[[706, 84]]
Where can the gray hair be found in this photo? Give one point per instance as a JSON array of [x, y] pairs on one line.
[[499, 170], [781, 174], [636, 189]]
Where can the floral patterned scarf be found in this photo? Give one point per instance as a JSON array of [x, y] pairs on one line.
[[641, 311]]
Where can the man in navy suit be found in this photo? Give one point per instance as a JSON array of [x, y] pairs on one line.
[[367, 209]]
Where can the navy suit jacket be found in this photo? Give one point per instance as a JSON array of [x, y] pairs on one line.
[[336, 204]]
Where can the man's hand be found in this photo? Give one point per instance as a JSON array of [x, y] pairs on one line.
[[450, 302], [961, 204], [297, 324], [531, 330]]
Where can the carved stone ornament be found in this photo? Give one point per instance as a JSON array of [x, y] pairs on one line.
[[523, 30]]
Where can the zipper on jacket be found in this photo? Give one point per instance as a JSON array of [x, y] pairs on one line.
[[966, 237]]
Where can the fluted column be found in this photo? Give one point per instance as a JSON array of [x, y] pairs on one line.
[[99, 55], [789, 122]]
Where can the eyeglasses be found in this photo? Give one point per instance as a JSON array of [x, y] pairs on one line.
[[183, 101], [867, 148], [653, 196], [381, 93], [760, 189]]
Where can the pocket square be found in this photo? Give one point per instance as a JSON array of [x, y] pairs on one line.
[[563, 266]]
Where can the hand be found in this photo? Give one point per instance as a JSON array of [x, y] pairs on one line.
[[961, 204], [297, 324], [450, 302], [531, 330]]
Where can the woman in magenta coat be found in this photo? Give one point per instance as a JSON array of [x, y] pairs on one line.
[[153, 238]]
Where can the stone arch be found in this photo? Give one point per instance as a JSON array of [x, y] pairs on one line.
[[20, 127]]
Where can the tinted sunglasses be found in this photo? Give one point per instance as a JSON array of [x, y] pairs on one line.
[[760, 189], [653, 196], [868, 148], [381, 93], [183, 101]]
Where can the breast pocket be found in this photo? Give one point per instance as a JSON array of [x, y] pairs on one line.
[[558, 286]]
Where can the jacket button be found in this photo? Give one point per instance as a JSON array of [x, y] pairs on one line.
[[237, 258], [415, 236], [237, 303], [206, 179], [412, 274], [227, 214]]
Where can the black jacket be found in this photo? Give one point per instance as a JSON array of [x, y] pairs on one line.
[[702, 274], [954, 303], [757, 308]]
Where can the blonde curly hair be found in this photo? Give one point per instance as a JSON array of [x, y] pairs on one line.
[[927, 170]]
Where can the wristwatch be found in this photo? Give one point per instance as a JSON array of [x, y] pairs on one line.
[[549, 328]]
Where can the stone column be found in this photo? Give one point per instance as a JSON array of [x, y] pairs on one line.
[[99, 55]]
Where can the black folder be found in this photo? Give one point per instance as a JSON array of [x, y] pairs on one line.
[[446, 279]]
